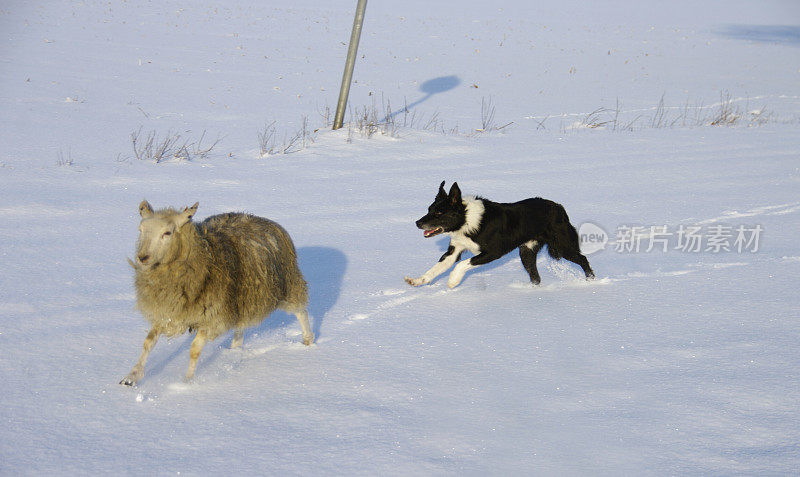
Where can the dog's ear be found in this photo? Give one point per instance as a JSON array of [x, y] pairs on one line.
[[455, 194], [442, 194]]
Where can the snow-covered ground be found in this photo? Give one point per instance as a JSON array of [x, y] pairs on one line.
[[676, 361]]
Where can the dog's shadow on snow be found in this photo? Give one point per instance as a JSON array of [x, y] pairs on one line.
[[445, 242], [491, 266]]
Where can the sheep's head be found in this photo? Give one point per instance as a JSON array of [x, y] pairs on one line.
[[158, 232]]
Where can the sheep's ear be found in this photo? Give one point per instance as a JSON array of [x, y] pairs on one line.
[[188, 213], [145, 210]]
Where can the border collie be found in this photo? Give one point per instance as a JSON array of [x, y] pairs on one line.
[[491, 229]]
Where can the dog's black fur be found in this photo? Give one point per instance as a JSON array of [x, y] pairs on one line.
[[492, 229]]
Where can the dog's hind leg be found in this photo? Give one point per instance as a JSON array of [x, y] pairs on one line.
[[527, 253], [567, 245], [450, 257], [580, 259]]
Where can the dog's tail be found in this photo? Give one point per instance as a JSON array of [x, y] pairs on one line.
[[564, 238]]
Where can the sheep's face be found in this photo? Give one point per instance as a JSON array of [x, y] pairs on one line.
[[158, 232]]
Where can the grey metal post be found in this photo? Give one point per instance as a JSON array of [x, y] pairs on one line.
[[352, 50]]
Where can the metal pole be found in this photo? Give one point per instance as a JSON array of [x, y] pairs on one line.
[[352, 50]]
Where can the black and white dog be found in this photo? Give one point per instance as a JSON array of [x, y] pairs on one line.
[[491, 229]]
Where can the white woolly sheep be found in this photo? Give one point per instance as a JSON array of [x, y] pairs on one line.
[[228, 272]]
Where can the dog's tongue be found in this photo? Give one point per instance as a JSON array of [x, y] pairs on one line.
[[432, 232]]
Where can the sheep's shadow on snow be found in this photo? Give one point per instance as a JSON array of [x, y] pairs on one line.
[[323, 268], [160, 364]]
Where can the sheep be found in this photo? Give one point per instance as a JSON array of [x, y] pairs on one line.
[[228, 272]]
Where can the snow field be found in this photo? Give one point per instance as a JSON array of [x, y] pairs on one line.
[[669, 363]]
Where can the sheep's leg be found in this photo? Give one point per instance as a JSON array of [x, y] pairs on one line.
[[301, 312], [137, 372], [238, 338], [194, 353], [308, 335]]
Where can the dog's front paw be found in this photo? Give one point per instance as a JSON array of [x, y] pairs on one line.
[[452, 283], [415, 282]]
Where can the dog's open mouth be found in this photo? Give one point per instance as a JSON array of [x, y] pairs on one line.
[[431, 232]]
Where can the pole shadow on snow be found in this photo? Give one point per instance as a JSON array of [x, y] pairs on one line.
[[431, 87]]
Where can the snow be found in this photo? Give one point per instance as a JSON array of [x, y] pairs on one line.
[[670, 362]]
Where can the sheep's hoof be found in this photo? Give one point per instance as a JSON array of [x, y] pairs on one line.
[[132, 377]]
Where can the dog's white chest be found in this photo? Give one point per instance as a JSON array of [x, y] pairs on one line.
[[464, 242]]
